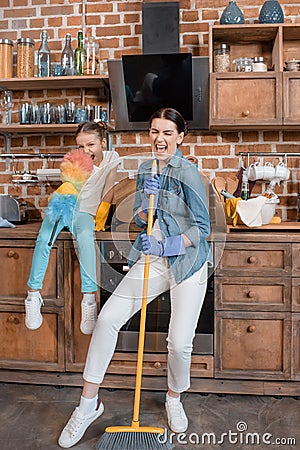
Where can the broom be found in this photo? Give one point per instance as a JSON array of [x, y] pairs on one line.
[[136, 437]]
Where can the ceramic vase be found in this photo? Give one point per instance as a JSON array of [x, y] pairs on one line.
[[271, 12], [232, 14]]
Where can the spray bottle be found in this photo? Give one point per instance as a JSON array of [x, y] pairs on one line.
[[245, 187]]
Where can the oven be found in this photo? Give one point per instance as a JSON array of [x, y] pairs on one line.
[[113, 268]]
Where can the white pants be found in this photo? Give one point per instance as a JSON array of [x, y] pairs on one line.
[[186, 302]]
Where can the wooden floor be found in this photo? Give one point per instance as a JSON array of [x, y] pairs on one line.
[[32, 418]]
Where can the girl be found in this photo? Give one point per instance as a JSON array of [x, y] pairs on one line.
[[91, 139], [179, 262]]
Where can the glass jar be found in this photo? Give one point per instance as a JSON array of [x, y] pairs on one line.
[[259, 64], [243, 64], [25, 58], [6, 58], [222, 58]]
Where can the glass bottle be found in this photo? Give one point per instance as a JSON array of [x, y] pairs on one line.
[[92, 56], [80, 55], [44, 58], [232, 14], [271, 12], [67, 57]]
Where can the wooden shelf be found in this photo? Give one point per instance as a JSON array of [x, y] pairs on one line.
[[36, 83], [39, 128]]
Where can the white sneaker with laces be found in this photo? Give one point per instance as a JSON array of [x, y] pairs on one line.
[[77, 426], [177, 420], [33, 304], [88, 317]]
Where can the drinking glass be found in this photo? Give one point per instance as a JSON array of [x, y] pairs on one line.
[[6, 102]]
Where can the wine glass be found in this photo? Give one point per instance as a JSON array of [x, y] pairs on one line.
[[6, 102]]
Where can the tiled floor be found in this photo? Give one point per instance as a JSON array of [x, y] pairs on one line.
[[32, 417]]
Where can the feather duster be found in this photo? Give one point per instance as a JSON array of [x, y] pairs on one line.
[[75, 169]]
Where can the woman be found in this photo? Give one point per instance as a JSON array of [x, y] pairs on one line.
[[91, 139], [179, 252]]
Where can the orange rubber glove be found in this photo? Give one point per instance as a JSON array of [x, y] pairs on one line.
[[101, 216]]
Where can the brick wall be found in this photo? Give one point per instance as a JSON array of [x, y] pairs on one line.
[[117, 26]]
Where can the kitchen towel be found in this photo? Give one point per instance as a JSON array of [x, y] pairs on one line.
[[250, 210]]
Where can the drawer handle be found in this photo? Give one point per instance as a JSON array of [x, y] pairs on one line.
[[251, 329], [157, 365], [246, 113], [251, 294], [12, 254], [252, 260], [13, 319]]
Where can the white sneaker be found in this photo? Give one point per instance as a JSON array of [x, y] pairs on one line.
[[77, 425], [88, 317], [177, 419], [33, 304]]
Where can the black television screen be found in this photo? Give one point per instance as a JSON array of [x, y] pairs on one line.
[[156, 81]]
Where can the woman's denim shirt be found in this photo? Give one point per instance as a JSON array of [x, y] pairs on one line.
[[181, 208]]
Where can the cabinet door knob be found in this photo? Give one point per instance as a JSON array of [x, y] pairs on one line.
[[157, 365], [11, 253], [252, 260], [251, 329], [246, 113], [251, 294], [13, 319]]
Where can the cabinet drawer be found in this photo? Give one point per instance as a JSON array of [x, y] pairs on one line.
[[253, 345], [245, 293], [42, 349], [15, 262], [242, 100], [257, 260], [296, 294], [157, 365], [296, 260]]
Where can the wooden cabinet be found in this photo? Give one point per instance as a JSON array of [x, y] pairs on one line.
[[253, 345], [245, 100], [253, 311], [255, 100], [21, 348], [257, 319]]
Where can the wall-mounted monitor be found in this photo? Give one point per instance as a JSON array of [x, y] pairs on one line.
[[141, 84]]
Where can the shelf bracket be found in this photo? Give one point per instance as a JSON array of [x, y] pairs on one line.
[[7, 147]]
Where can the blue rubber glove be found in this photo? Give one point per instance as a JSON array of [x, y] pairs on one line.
[[171, 246], [151, 186], [150, 245]]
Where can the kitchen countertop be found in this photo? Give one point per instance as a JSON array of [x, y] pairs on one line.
[[30, 230], [284, 232]]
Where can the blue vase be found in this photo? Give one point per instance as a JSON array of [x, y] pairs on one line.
[[232, 14], [271, 12]]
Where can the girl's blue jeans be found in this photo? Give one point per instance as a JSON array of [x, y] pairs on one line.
[[82, 228]]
